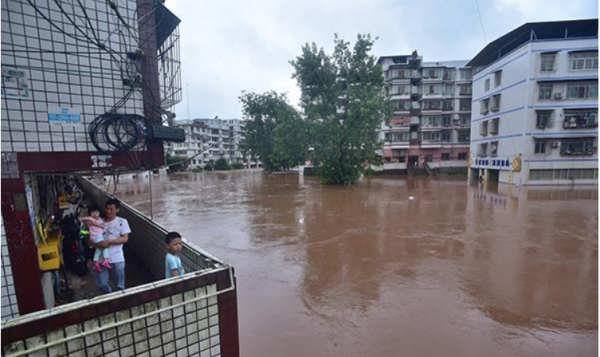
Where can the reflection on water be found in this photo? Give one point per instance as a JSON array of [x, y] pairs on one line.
[[461, 270]]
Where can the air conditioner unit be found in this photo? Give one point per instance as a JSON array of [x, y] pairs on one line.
[[558, 95], [555, 143]]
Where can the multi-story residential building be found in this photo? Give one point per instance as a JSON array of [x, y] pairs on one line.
[[431, 103], [208, 140], [535, 105], [85, 88]]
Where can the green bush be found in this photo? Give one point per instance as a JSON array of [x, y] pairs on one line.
[[237, 166], [196, 169], [208, 167], [176, 163], [222, 164], [369, 171]]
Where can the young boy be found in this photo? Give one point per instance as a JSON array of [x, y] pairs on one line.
[[96, 226], [173, 265]]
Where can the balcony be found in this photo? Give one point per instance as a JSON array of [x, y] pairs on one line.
[[399, 121], [416, 81], [580, 119]]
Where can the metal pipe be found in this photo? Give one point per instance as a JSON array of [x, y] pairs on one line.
[[119, 323]]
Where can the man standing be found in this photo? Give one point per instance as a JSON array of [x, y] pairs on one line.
[[116, 233]]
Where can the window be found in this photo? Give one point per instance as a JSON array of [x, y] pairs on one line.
[[582, 90], [432, 105], [449, 90], [400, 90], [434, 89], [497, 78], [398, 137], [495, 126], [580, 118], [465, 74], [563, 174], [484, 106], [579, 146], [432, 73], [464, 119], [540, 147], [535, 175], [446, 136], [548, 62], [448, 74], [465, 89], [445, 157], [494, 149], [545, 92], [495, 103], [462, 155], [430, 136], [446, 120], [543, 119], [487, 85], [483, 128], [401, 105], [464, 136], [482, 150], [447, 105], [464, 105], [583, 60], [432, 120]]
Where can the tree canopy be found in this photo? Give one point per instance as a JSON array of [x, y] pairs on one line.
[[344, 103]]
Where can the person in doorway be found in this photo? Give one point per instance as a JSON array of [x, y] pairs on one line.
[[116, 233], [173, 265], [96, 226]]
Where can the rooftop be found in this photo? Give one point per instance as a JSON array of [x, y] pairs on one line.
[[534, 31], [455, 63]]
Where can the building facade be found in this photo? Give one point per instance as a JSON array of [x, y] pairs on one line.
[[535, 106], [208, 140], [431, 109]]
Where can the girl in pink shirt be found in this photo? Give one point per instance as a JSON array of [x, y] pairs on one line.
[[96, 226]]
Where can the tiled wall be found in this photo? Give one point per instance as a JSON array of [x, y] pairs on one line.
[[190, 329], [44, 68], [9, 299]]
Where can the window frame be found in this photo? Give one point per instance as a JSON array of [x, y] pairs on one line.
[[543, 93], [540, 147], [496, 99], [497, 78], [544, 57], [579, 62]]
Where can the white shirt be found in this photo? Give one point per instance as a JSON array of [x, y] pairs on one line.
[[113, 230]]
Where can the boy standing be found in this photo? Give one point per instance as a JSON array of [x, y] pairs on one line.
[[173, 265], [116, 233]]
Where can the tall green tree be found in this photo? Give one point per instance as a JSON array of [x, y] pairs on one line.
[[343, 97], [275, 131]]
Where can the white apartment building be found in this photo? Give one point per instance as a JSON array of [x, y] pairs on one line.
[[535, 106], [431, 117], [208, 140]]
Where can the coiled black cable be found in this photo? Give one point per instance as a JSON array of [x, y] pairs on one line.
[[112, 132]]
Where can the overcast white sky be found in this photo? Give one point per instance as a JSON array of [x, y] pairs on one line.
[[230, 46]]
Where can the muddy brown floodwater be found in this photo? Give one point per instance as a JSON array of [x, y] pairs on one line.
[[461, 270]]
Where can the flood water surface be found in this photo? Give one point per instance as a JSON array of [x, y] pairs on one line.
[[459, 270]]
